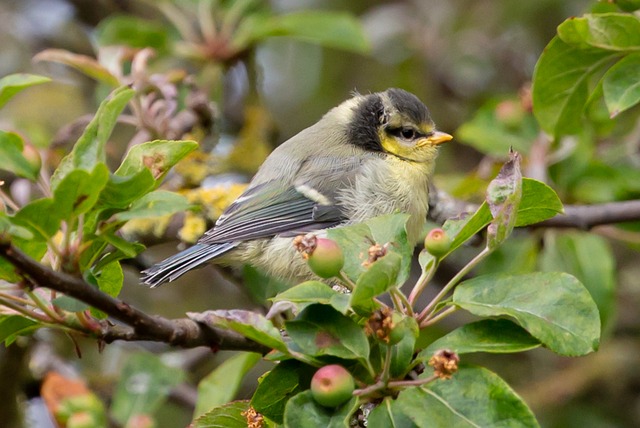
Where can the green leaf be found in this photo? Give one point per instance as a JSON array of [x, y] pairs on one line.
[[391, 228], [131, 31], [89, 150], [590, 259], [121, 191], [621, 85], [144, 385], [331, 29], [495, 336], [227, 416], [157, 156], [287, 379], [70, 304], [385, 415], [608, 31], [79, 190], [13, 326], [475, 397], [538, 302], [358, 238], [402, 355], [110, 279], [222, 384], [377, 279], [321, 330], [488, 134], [260, 286], [315, 292], [128, 249], [84, 64], [539, 203], [12, 84], [40, 217], [503, 197], [560, 85], [251, 325], [303, 411], [461, 230], [11, 157], [155, 204], [354, 240]]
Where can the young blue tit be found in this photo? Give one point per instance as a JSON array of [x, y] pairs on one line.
[[371, 155]]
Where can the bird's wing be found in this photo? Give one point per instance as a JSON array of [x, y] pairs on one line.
[[268, 209]]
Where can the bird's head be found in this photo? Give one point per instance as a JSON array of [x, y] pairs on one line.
[[394, 122]]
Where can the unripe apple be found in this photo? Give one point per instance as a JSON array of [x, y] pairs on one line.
[[332, 385], [327, 259], [402, 326], [437, 242], [32, 155]]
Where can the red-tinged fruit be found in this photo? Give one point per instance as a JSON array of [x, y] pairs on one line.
[[327, 259], [332, 385], [437, 242]]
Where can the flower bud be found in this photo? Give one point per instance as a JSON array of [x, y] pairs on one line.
[[437, 242], [327, 259], [332, 385]]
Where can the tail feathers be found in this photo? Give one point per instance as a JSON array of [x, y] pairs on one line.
[[179, 264]]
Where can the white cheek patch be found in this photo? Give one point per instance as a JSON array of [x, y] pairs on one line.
[[313, 194]]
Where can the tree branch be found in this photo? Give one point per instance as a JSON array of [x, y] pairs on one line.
[[139, 326], [444, 206]]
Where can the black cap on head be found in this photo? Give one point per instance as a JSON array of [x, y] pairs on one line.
[[409, 105]]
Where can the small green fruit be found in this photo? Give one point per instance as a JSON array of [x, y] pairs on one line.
[[437, 242], [402, 326], [332, 385], [628, 5], [327, 259]]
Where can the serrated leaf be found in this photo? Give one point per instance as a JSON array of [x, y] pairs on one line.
[[621, 85], [321, 330], [229, 415], [13, 326], [12, 84], [377, 279], [84, 64], [493, 336], [143, 386], [560, 89], [538, 302], [89, 150], [303, 411], [251, 325], [287, 379], [222, 384], [157, 156], [155, 204], [607, 31], [314, 292], [474, 397], [11, 157]]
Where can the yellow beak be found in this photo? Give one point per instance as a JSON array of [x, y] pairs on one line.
[[439, 138]]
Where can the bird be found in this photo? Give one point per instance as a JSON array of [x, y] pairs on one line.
[[373, 154]]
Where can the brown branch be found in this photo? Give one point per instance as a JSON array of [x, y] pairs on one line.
[[443, 206], [139, 325]]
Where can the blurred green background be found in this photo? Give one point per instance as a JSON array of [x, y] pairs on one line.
[[455, 55]]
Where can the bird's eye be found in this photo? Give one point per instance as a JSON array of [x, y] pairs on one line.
[[408, 133]]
